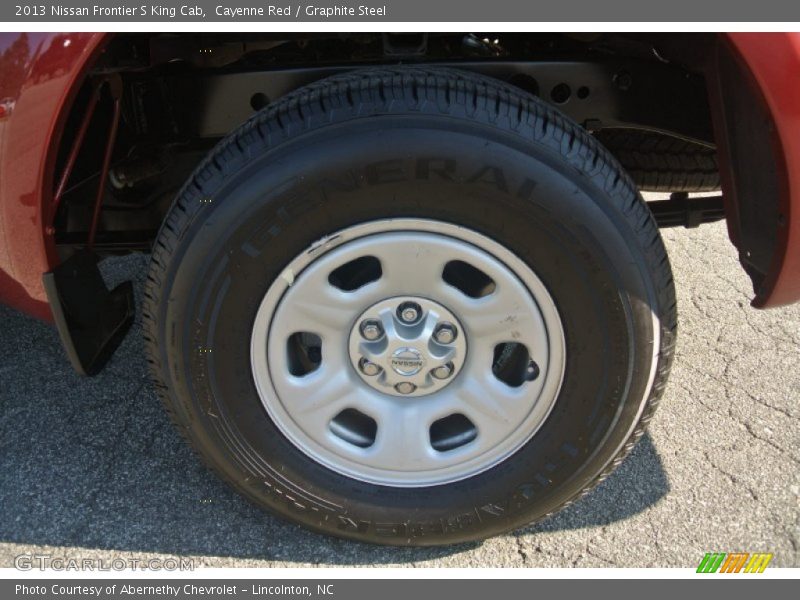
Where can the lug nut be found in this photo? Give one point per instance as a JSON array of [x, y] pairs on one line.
[[371, 330], [405, 387], [368, 368], [444, 371], [409, 312], [445, 333]]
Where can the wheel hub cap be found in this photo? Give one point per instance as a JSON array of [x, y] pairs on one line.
[[406, 352]]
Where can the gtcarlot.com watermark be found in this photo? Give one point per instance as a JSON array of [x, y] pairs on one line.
[[42, 562]]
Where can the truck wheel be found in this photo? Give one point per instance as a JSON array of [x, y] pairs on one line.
[[410, 306]]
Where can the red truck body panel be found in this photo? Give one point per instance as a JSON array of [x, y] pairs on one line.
[[41, 74]]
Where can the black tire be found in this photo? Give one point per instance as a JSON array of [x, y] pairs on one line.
[[663, 163], [581, 226]]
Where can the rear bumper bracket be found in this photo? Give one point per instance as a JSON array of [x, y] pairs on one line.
[[682, 211]]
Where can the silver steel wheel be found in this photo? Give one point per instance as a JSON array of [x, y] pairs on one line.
[[408, 352]]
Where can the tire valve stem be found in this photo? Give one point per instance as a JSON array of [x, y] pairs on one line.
[[532, 371]]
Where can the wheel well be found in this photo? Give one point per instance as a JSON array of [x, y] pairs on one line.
[[180, 94]]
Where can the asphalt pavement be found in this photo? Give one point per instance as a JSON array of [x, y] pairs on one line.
[[91, 467]]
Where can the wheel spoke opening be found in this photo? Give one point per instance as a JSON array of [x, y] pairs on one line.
[[513, 365], [468, 279], [354, 427], [356, 273], [303, 353], [452, 432]]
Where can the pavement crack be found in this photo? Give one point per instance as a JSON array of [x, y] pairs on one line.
[[654, 530], [732, 478], [521, 549], [778, 409], [728, 412], [603, 559]]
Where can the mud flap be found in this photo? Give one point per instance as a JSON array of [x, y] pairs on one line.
[[91, 320]]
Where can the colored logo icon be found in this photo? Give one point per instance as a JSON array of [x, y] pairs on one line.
[[735, 562]]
